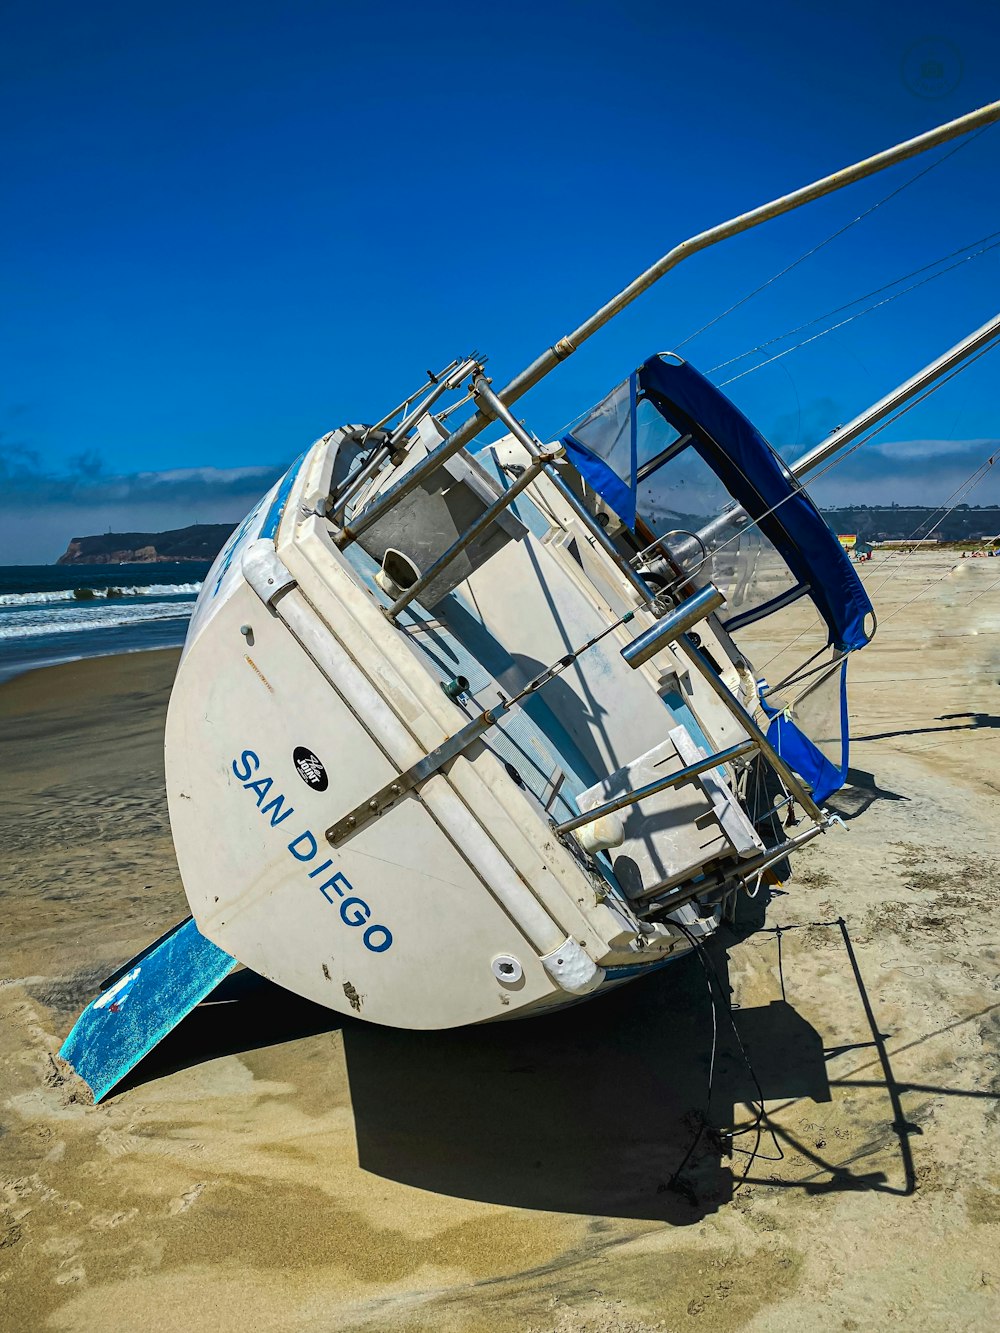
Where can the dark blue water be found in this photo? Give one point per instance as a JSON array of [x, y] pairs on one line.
[[58, 613]]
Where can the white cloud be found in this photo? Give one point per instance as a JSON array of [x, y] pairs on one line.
[[41, 512]]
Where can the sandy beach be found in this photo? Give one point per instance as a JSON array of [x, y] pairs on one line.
[[272, 1166]]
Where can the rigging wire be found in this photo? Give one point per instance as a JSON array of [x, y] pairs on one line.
[[716, 987], [833, 235], [834, 462], [950, 504], [947, 574], [673, 1182], [926, 588], [985, 248], [809, 323], [901, 411], [994, 584], [841, 323]]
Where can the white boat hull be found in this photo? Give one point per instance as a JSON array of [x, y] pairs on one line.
[[448, 910]]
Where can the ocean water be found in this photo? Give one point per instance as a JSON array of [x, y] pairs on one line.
[[59, 613]]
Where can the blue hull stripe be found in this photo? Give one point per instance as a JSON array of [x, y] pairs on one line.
[[272, 519]]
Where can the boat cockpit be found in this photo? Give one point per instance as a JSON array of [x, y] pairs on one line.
[[514, 571]]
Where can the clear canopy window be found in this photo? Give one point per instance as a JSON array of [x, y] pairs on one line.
[[659, 484]]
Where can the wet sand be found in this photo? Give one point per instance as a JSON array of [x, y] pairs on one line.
[[272, 1166]]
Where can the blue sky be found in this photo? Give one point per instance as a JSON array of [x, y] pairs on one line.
[[228, 229]]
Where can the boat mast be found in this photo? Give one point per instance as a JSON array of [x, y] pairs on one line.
[[843, 435], [567, 345]]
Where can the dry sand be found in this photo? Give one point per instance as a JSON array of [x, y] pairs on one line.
[[273, 1167]]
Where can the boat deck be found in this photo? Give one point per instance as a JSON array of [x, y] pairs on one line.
[[562, 741]]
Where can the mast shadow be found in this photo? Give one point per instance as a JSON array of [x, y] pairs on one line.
[[602, 1108], [974, 722]]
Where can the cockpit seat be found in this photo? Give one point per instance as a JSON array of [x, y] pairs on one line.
[[671, 836]]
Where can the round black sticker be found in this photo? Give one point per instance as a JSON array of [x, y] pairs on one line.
[[309, 768]]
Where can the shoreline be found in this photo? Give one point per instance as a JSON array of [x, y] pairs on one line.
[[51, 614], [78, 665], [166, 635], [29, 668]]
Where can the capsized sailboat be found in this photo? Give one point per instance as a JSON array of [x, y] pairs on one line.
[[466, 733]]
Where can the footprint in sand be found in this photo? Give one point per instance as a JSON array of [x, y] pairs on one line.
[[103, 1221], [70, 1270], [186, 1200]]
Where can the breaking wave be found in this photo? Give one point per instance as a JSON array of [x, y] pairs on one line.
[[85, 594], [88, 616]]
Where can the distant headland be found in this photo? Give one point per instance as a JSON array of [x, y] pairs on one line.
[[204, 541], [200, 541], [875, 523]]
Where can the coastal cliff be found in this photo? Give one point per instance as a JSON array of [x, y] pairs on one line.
[[200, 541]]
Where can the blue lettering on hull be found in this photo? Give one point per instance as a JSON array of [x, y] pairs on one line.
[[336, 888]]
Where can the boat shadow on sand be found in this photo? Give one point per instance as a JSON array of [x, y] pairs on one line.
[[602, 1108]]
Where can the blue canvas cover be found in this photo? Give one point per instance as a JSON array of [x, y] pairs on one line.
[[755, 476], [821, 773], [141, 1003], [602, 447]]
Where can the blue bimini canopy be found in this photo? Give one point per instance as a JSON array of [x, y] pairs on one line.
[[603, 447], [755, 476]]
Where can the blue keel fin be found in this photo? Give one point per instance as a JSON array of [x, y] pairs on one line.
[[146, 999]]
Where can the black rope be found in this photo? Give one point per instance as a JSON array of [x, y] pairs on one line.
[[717, 996], [672, 1183]]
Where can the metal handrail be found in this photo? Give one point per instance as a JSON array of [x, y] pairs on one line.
[[751, 728], [871, 416], [686, 774], [497, 408], [447, 380], [669, 628], [661, 902]]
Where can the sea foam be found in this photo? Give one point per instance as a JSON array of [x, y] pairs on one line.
[[88, 616], [61, 595]]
